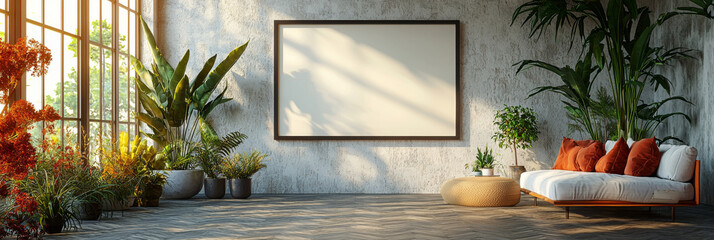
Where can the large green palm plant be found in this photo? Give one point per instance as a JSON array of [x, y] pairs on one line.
[[617, 37], [175, 106]]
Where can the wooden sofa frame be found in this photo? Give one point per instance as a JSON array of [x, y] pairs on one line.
[[605, 203]]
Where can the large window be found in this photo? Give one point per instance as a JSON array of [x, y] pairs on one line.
[[90, 81], [4, 21]]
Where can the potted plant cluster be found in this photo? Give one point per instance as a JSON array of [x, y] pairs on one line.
[[210, 155], [48, 187], [175, 112], [517, 128], [239, 169]]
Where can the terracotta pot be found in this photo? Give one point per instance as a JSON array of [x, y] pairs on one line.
[[240, 188]]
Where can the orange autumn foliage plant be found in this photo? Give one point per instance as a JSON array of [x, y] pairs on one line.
[[17, 154]]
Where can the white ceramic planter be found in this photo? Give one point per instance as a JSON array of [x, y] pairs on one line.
[[182, 184], [487, 171]]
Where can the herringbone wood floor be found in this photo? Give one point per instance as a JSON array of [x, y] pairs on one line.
[[337, 216]]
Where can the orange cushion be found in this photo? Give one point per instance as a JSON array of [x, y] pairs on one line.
[[588, 156], [568, 153], [643, 159], [615, 160], [565, 146]]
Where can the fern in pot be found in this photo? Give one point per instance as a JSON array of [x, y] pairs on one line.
[[210, 155], [239, 169]]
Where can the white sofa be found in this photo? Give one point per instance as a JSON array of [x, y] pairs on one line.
[[676, 184]]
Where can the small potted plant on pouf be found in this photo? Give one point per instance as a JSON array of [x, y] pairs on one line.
[[485, 161], [517, 128], [239, 168], [483, 165], [210, 155]]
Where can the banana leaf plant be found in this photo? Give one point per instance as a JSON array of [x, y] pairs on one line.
[[576, 87], [174, 106], [618, 37]]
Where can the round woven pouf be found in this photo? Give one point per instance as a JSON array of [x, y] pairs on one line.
[[481, 192]]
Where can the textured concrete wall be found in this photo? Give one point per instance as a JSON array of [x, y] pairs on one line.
[[692, 79], [489, 47]]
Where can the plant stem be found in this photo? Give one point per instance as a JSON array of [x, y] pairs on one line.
[[515, 154]]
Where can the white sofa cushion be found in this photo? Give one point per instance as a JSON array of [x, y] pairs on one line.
[[563, 185], [677, 163]]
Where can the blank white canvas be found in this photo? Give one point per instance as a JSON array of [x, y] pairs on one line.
[[367, 80]]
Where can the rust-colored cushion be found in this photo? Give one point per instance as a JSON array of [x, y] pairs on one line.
[[589, 155], [567, 156], [615, 160], [565, 146], [643, 159]]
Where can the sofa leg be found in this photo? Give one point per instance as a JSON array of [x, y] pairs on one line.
[[535, 201], [673, 214], [567, 212]]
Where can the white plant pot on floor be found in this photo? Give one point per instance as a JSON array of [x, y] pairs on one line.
[[487, 171], [182, 184]]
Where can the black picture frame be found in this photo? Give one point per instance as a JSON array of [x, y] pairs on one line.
[[276, 80]]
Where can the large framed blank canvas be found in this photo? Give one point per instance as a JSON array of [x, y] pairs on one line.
[[367, 80]]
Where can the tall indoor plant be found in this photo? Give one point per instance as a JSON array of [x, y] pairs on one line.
[[239, 169], [516, 128], [617, 38], [174, 108]]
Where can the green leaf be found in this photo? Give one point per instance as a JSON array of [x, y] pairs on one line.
[[207, 132], [179, 72], [204, 91], [215, 102], [201, 77], [178, 108], [153, 122], [163, 67], [144, 75], [150, 105]]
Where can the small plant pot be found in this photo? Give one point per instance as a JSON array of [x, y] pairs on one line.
[[476, 174], [240, 188], [151, 195], [54, 225], [516, 172], [214, 188], [487, 171], [90, 211]]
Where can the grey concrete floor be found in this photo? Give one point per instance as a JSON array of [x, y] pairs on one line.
[[342, 216]]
